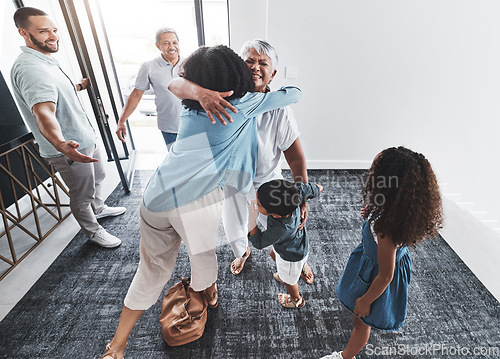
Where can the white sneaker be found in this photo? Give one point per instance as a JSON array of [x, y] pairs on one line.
[[111, 212], [334, 355], [104, 239]]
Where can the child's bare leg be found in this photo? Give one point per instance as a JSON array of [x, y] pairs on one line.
[[127, 322], [359, 337], [293, 290], [272, 254]]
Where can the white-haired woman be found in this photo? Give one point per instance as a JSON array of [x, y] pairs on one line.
[[277, 133]]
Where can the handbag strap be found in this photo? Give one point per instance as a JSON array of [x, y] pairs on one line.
[[185, 283], [190, 316]]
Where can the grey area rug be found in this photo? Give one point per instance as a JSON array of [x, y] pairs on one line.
[[73, 309]]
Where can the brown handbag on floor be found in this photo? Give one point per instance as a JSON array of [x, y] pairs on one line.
[[183, 314]]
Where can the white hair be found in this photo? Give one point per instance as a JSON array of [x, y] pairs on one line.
[[262, 47], [165, 30]]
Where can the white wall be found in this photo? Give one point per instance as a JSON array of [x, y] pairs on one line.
[[424, 74]]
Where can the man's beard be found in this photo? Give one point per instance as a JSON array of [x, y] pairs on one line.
[[42, 46]]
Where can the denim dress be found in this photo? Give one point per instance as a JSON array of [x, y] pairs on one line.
[[388, 311]]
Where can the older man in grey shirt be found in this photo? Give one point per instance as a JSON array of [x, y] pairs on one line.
[[66, 139], [158, 73]]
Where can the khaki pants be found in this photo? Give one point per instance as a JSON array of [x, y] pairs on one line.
[[196, 224], [84, 184]]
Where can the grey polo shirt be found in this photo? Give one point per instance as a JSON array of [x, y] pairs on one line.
[[37, 78], [158, 73]]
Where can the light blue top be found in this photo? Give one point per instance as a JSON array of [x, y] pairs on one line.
[[158, 73], [38, 78], [207, 156]]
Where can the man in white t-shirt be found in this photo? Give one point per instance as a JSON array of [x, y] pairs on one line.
[[277, 133], [157, 73]]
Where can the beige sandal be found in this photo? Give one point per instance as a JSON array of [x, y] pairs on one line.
[[110, 352], [239, 263], [287, 302], [305, 271], [215, 296]]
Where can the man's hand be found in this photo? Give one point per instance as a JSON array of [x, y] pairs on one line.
[[45, 114], [304, 208], [85, 83], [68, 148], [213, 103], [121, 132]]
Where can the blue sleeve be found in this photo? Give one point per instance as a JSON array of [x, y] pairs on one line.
[[256, 103], [270, 236], [308, 190]]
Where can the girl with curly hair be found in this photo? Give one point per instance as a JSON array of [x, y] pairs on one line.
[[402, 207]]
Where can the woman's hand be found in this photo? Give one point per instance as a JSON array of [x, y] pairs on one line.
[[362, 308], [213, 103], [253, 213], [304, 213]]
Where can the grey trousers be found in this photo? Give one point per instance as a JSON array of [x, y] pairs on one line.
[[84, 184]]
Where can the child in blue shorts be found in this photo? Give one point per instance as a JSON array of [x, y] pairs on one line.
[[280, 201]]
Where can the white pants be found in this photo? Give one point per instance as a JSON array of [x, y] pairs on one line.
[[235, 219], [196, 224]]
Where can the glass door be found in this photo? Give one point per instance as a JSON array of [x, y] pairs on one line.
[[108, 41]]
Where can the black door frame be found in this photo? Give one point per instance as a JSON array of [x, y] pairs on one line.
[[80, 47]]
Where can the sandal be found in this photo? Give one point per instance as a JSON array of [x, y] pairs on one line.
[[110, 352], [306, 272], [239, 263], [287, 302], [277, 277], [215, 296]]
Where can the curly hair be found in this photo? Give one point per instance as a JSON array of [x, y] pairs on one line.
[[217, 68], [402, 197]]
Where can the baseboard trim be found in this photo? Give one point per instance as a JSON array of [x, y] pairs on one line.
[[334, 165]]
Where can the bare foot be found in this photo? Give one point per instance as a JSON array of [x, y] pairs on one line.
[[239, 263]]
